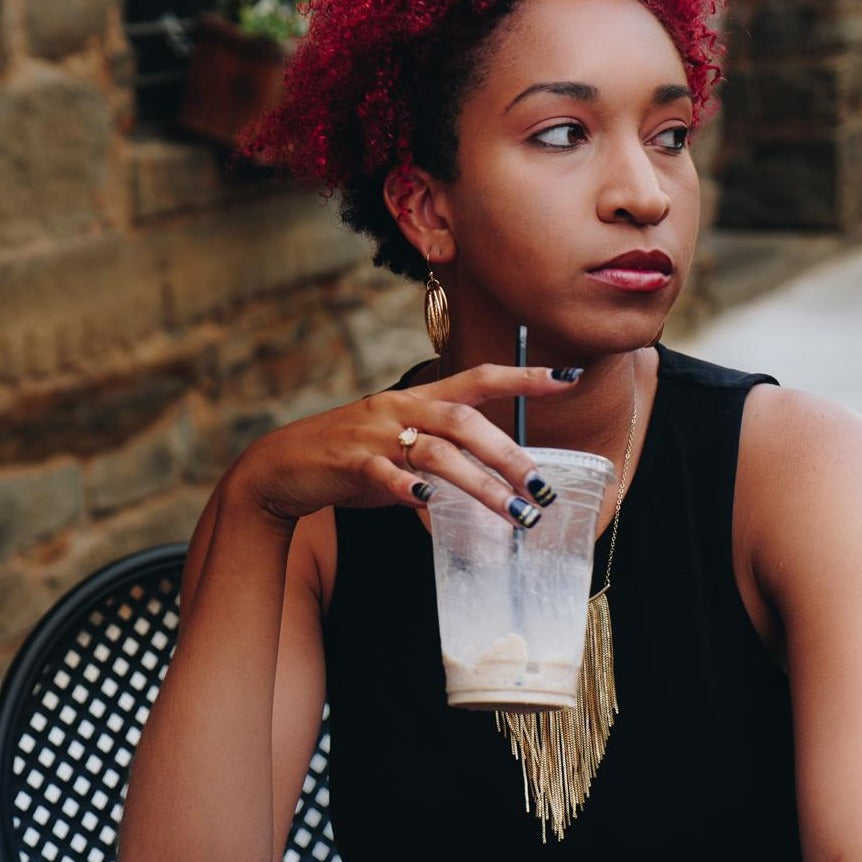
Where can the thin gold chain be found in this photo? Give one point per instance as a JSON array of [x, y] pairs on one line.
[[620, 494]]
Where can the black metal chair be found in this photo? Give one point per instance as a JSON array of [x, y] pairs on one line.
[[72, 708]]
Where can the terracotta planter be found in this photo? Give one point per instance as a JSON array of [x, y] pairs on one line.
[[233, 79]]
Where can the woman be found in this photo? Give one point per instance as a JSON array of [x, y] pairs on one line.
[[534, 155]]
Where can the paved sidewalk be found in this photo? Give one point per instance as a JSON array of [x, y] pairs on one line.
[[807, 332]]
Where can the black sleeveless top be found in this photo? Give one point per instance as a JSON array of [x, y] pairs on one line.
[[699, 764]]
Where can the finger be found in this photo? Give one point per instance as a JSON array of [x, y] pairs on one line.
[[466, 428], [486, 382], [439, 457], [401, 484]]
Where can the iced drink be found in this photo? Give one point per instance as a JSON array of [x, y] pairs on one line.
[[512, 603]]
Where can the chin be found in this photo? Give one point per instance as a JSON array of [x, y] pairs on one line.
[[613, 337]]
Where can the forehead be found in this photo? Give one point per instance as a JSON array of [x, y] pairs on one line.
[[615, 45]]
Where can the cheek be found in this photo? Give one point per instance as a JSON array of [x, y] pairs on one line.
[[686, 207], [494, 218], [509, 210]]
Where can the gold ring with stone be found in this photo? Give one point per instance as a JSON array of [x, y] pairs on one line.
[[407, 438]]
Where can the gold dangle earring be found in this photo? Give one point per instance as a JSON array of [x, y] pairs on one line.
[[436, 311]]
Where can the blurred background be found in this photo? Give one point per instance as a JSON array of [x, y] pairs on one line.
[[163, 304]]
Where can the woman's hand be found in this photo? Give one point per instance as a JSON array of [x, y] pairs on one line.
[[352, 456]]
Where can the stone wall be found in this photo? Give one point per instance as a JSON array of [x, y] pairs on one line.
[[158, 312], [793, 150]]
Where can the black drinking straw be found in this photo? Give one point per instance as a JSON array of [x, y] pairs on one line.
[[521, 401], [520, 438]]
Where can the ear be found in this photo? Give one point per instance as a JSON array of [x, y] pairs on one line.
[[415, 200]]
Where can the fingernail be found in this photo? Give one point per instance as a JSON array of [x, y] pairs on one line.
[[541, 491], [525, 514], [567, 375], [422, 491]]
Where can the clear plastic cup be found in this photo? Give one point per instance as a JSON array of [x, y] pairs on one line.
[[512, 602]]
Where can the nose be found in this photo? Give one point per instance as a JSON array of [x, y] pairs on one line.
[[631, 189]]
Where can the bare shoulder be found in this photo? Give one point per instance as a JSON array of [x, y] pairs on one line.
[[797, 456], [799, 452], [777, 417], [800, 478]]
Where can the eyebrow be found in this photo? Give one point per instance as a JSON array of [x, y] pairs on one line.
[[668, 93], [572, 89], [662, 95]]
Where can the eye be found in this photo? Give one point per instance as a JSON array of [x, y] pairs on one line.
[[675, 139], [562, 136]]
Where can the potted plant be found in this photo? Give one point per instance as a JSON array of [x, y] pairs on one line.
[[237, 66], [274, 19]]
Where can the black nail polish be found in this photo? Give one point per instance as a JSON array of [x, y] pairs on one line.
[[422, 491], [525, 514], [541, 491], [567, 375]]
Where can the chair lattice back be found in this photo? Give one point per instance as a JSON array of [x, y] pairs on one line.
[[74, 703]]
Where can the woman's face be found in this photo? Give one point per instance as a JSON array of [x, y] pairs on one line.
[[576, 206]]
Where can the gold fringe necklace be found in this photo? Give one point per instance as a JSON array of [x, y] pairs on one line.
[[560, 751]]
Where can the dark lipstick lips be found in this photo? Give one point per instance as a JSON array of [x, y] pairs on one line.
[[646, 261]]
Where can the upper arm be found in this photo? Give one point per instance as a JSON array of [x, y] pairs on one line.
[[300, 684], [801, 459], [196, 557]]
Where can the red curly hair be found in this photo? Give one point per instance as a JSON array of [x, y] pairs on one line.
[[378, 83]]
